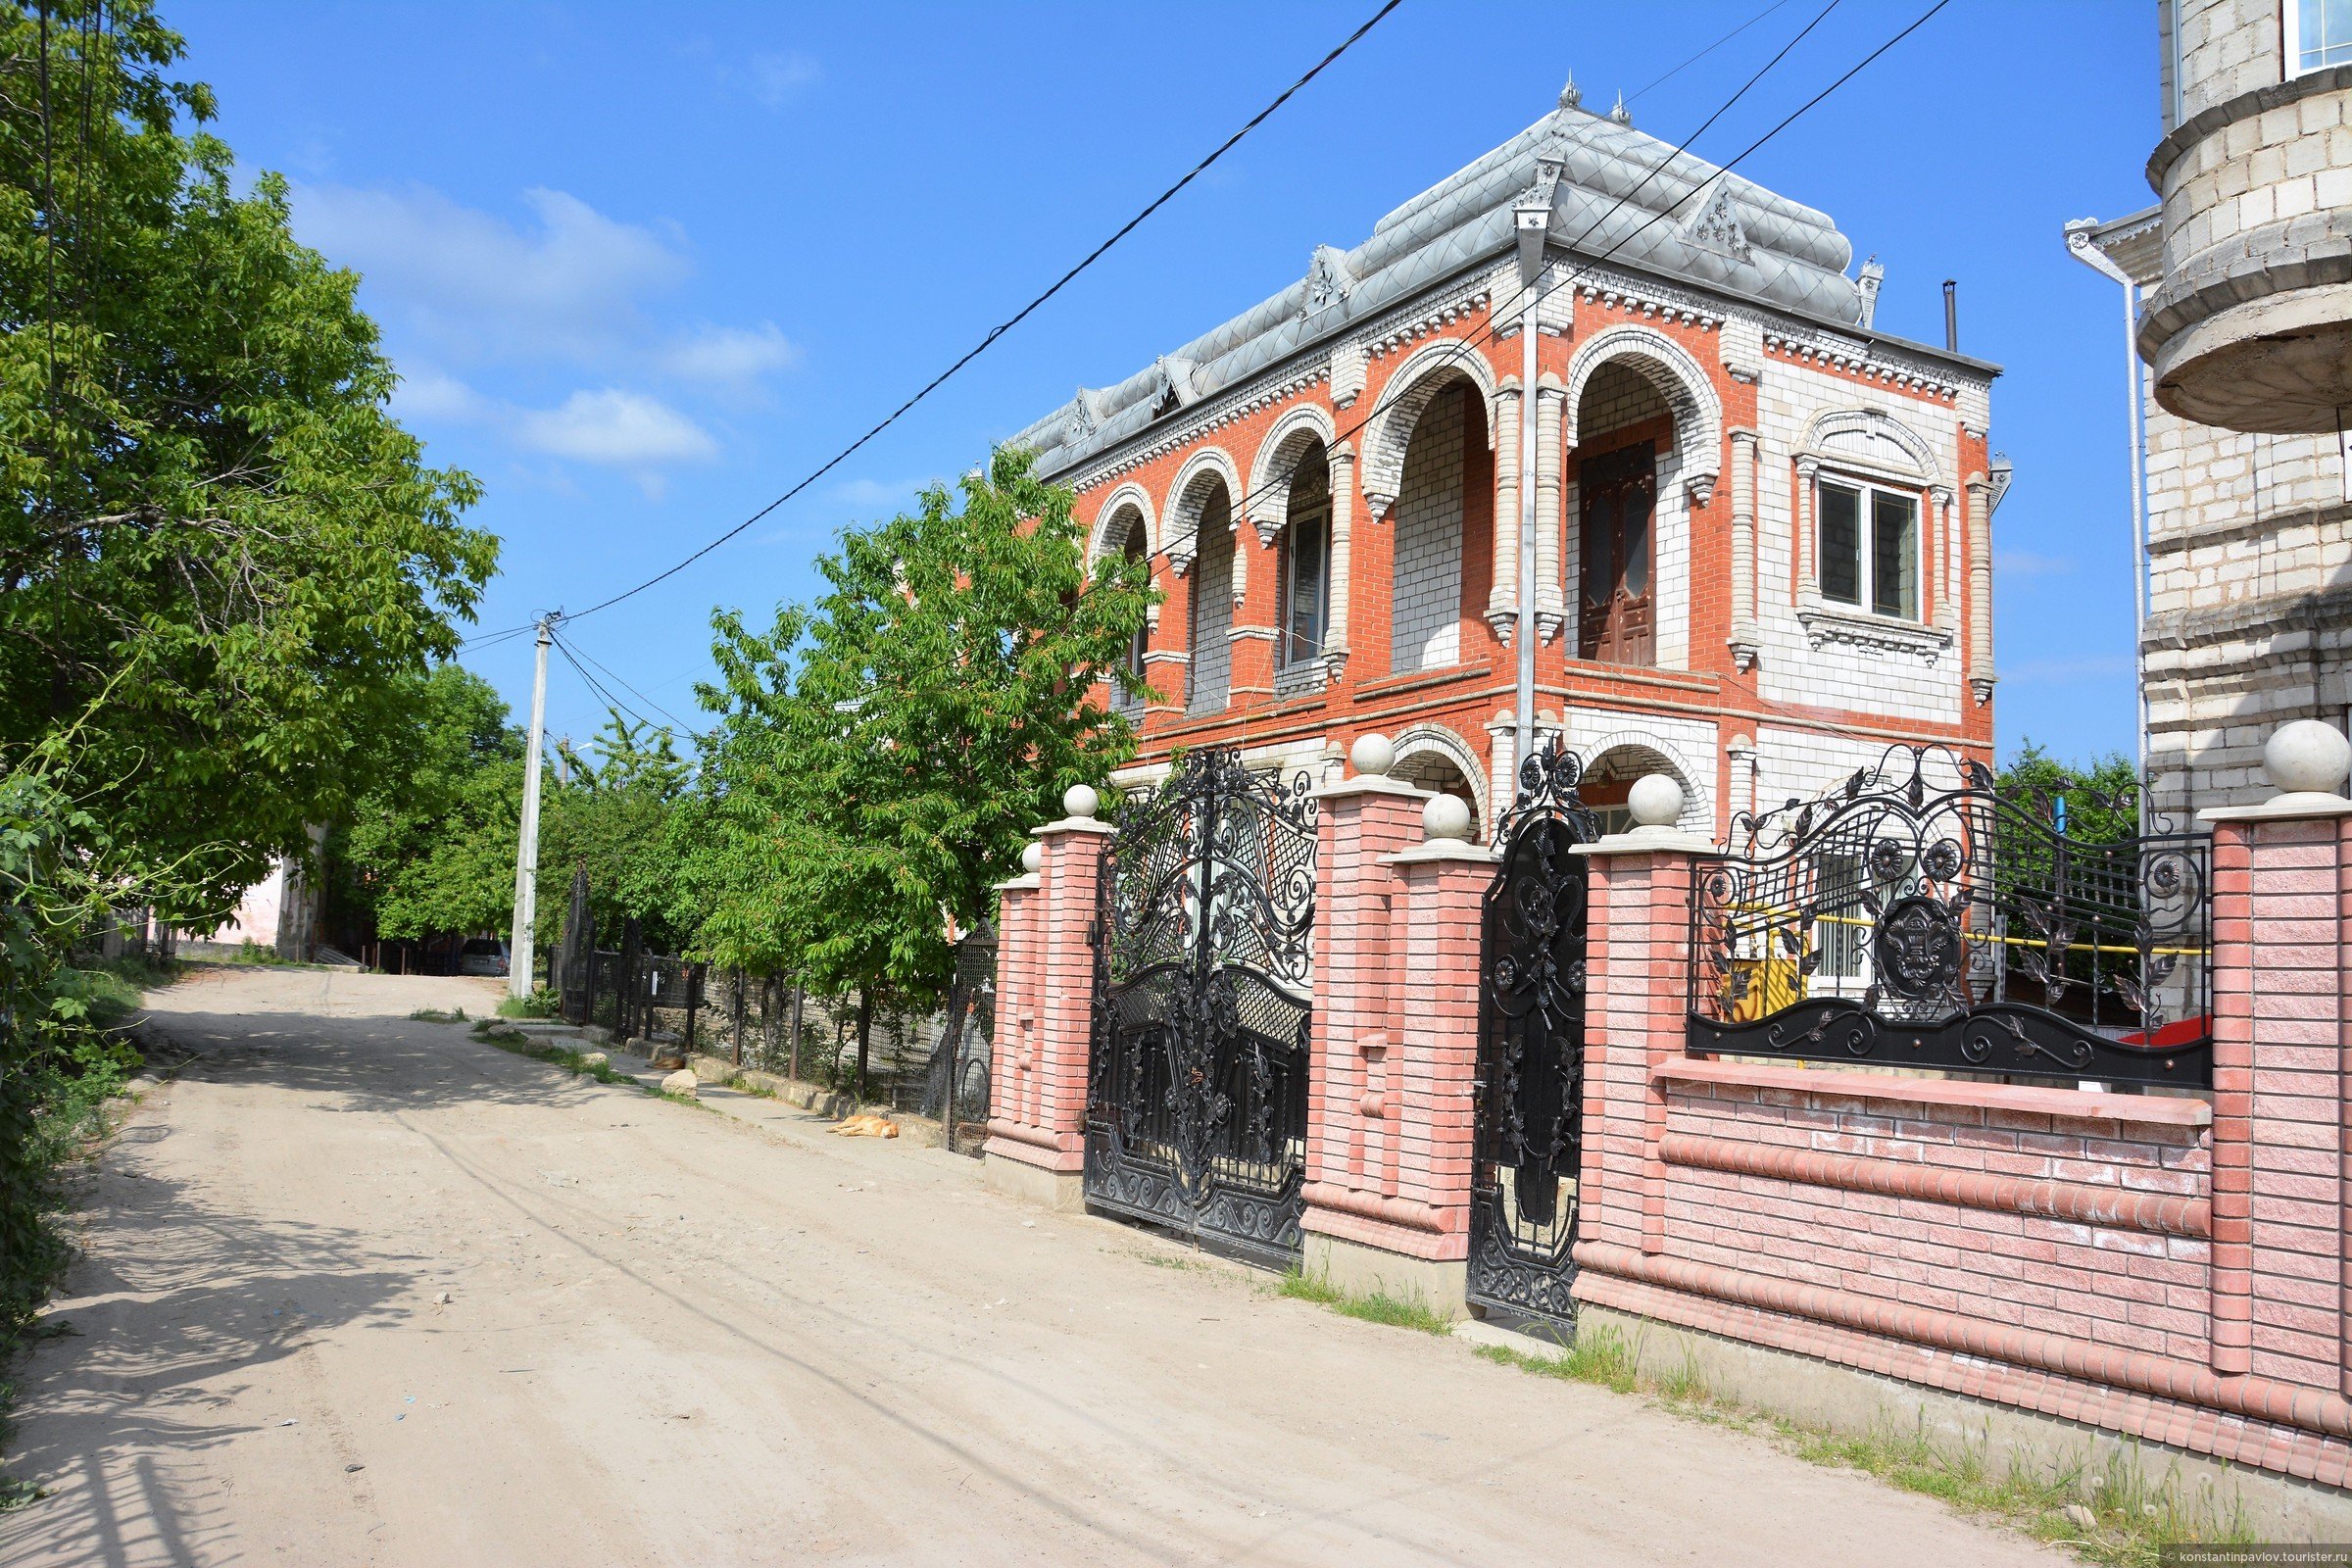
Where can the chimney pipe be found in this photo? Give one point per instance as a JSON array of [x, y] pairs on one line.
[[1951, 316]]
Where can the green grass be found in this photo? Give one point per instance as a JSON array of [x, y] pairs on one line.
[[575, 1062], [2132, 1516], [540, 1004], [252, 951], [438, 1016], [1378, 1306]]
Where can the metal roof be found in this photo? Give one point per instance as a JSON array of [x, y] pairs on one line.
[[1622, 193]]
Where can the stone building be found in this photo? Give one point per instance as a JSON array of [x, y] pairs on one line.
[[1749, 534], [2237, 290]]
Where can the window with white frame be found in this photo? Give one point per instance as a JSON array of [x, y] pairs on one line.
[[1869, 540], [2318, 35], [1305, 591]]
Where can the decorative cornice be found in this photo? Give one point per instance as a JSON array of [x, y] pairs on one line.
[[1212, 414], [1824, 349], [1651, 302], [1826, 625]]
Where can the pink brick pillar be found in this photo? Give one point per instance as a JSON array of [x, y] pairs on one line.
[[1637, 968], [1389, 1140], [2282, 1282], [1037, 1119]]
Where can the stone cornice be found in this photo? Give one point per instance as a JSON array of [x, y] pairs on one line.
[[1825, 349], [2244, 106], [1211, 413]]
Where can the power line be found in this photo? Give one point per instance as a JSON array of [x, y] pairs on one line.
[[1015, 319], [677, 724], [1659, 82]]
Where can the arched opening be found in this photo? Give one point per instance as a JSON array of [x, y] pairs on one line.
[[1609, 778], [1445, 496], [1623, 426], [1210, 634], [1303, 572], [1125, 535], [1440, 773]]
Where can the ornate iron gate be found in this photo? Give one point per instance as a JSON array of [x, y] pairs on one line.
[[1531, 1048], [1204, 969]]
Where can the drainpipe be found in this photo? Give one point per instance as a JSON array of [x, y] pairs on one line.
[[2078, 241], [1533, 212]]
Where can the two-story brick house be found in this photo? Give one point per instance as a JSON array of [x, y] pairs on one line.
[[1760, 529]]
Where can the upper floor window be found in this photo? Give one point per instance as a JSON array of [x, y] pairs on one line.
[[1620, 493], [1140, 644], [2318, 35], [1304, 604], [1869, 548]]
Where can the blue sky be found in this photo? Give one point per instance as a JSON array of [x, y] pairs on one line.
[[643, 267]]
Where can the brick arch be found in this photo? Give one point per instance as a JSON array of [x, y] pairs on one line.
[[1291, 437], [1123, 508], [1436, 739], [1678, 378], [1872, 423], [1644, 747], [1426, 371], [1189, 493]]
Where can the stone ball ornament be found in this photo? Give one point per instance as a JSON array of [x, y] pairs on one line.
[[1033, 858], [2308, 757], [1080, 802], [1655, 801], [1445, 816], [1373, 755]]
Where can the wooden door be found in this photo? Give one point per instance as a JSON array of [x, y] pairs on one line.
[[1620, 492]]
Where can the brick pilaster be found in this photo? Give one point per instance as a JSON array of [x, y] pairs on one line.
[[1039, 1112]]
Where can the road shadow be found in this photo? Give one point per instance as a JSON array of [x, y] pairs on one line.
[[166, 1317]]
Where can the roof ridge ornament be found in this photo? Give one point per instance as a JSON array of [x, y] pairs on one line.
[[1572, 96], [1328, 281], [1622, 115]]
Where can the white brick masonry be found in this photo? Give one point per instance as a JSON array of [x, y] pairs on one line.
[[1427, 518], [1213, 608]]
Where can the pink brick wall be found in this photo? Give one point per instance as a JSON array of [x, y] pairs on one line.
[[1046, 964]]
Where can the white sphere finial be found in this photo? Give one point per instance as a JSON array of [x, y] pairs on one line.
[[1033, 856], [1655, 801], [2308, 758], [1080, 801], [1445, 816], [1372, 755]]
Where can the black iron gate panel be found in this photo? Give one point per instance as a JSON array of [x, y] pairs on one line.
[[1531, 1048], [955, 1090], [1198, 1094], [1919, 916]]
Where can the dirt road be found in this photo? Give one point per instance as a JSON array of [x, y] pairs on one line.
[[365, 1291]]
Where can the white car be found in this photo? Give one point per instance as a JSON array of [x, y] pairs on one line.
[[482, 956]]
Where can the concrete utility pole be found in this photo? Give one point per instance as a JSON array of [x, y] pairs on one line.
[[526, 852]]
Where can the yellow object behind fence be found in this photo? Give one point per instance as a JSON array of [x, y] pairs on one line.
[[1772, 984]]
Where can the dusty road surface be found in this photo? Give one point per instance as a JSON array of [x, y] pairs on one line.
[[671, 1339]]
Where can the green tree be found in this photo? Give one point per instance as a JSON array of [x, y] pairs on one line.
[[430, 846], [216, 543], [2103, 799], [611, 814], [882, 753]]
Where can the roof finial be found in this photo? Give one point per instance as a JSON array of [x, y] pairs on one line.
[[1622, 115], [1572, 96]]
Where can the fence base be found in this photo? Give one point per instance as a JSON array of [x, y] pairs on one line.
[[1858, 1404], [1063, 1191], [1438, 1283]]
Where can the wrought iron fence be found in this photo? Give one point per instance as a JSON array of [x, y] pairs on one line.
[[1918, 918]]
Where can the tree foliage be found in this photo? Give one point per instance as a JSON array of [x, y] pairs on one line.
[[2103, 799], [216, 543], [611, 814], [882, 753]]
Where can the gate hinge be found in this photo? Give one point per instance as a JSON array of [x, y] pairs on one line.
[[1094, 932]]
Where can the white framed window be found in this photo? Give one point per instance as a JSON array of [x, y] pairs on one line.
[[1304, 604], [2318, 35], [1869, 546]]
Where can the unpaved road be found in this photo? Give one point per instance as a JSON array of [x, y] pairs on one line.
[[670, 1337]]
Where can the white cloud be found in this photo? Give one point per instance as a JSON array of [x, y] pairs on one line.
[[623, 430], [2031, 563], [777, 78], [426, 394], [732, 357], [566, 284], [881, 492]]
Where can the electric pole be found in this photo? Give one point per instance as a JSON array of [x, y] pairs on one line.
[[526, 852]]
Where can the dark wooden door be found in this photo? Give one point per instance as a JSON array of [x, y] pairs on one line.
[[1620, 492]]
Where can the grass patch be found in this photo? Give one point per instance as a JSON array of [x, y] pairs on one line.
[[438, 1016], [252, 951], [1171, 1260], [574, 1061], [1378, 1306], [2109, 1510], [540, 1004]]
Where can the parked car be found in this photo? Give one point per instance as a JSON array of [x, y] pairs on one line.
[[482, 956]]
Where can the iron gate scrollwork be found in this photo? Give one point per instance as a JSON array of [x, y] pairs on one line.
[[1919, 916], [1531, 1048], [1203, 978]]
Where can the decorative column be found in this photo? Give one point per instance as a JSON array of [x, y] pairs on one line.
[[1748, 637], [1250, 669], [1980, 677], [1037, 1113], [1945, 570], [1551, 596], [1637, 959], [1387, 1196], [2282, 1032], [1502, 599], [1808, 578], [1343, 560]]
